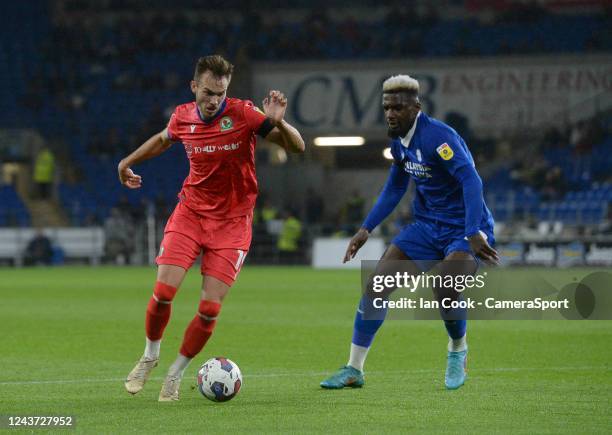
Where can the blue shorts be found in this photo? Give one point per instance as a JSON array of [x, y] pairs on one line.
[[428, 240]]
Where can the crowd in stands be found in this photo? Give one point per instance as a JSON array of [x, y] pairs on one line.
[[548, 179], [398, 29], [101, 62]]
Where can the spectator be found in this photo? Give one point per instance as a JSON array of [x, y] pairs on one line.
[[162, 209], [288, 239], [118, 230], [554, 187], [268, 211], [39, 250], [354, 208], [44, 170], [314, 206], [124, 206]]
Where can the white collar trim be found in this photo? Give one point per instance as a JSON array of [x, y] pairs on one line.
[[406, 139]]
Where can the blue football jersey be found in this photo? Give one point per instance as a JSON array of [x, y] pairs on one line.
[[432, 153]]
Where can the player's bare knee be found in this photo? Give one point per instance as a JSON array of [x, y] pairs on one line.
[[171, 275], [457, 263], [376, 287], [393, 262], [213, 289], [445, 293], [394, 253]]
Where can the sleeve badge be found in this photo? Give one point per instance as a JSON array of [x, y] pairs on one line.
[[445, 151]]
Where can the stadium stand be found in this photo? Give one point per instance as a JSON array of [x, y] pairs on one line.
[[101, 83]]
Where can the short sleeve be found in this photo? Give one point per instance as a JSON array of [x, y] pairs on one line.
[[172, 127], [254, 117], [451, 152]]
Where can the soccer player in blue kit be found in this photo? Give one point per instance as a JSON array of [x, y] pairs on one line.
[[452, 226]]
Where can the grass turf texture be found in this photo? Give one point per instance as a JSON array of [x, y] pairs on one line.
[[70, 335]]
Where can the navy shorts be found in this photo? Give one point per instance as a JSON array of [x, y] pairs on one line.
[[428, 240]]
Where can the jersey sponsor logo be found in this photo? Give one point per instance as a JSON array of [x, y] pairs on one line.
[[417, 170], [226, 123], [445, 151], [193, 127], [211, 148]]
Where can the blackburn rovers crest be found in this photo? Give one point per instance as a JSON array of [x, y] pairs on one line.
[[226, 123]]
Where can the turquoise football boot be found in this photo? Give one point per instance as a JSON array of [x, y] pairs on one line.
[[347, 376], [456, 369]]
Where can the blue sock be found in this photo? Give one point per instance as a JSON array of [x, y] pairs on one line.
[[365, 330], [456, 325], [456, 328]]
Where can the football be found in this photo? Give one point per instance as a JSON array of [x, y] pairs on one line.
[[219, 379]]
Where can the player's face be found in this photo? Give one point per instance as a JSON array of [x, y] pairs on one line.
[[209, 91], [400, 110]]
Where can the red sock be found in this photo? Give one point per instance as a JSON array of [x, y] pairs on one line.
[[200, 329], [158, 310]]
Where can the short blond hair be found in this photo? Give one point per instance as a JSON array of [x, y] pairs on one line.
[[399, 83]]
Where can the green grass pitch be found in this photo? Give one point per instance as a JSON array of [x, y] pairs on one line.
[[70, 335]]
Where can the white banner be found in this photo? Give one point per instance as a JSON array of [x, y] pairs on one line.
[[327, 253], [340, 98]]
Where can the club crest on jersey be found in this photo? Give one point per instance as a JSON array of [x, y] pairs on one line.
[[226, 123], [445, 151], [189, 149], [193, 127]]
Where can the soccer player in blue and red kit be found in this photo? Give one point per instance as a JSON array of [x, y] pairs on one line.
[[215, 209], [453, 229]]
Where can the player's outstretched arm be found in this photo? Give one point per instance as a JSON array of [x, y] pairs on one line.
[[154, 146], [283, 133], [392, 193], [356, 243], [473, 201], [483, 250]]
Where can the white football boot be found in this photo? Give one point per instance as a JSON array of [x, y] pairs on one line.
[[139, 374], [170, 388]]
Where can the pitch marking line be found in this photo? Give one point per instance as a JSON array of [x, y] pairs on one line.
[[274, 375]]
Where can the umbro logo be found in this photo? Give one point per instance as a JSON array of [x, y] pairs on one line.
[[193, 127]]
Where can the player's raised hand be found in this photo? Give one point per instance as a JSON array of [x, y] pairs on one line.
[[355, 244], [482, 250], [274, 106], [128, 178]]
